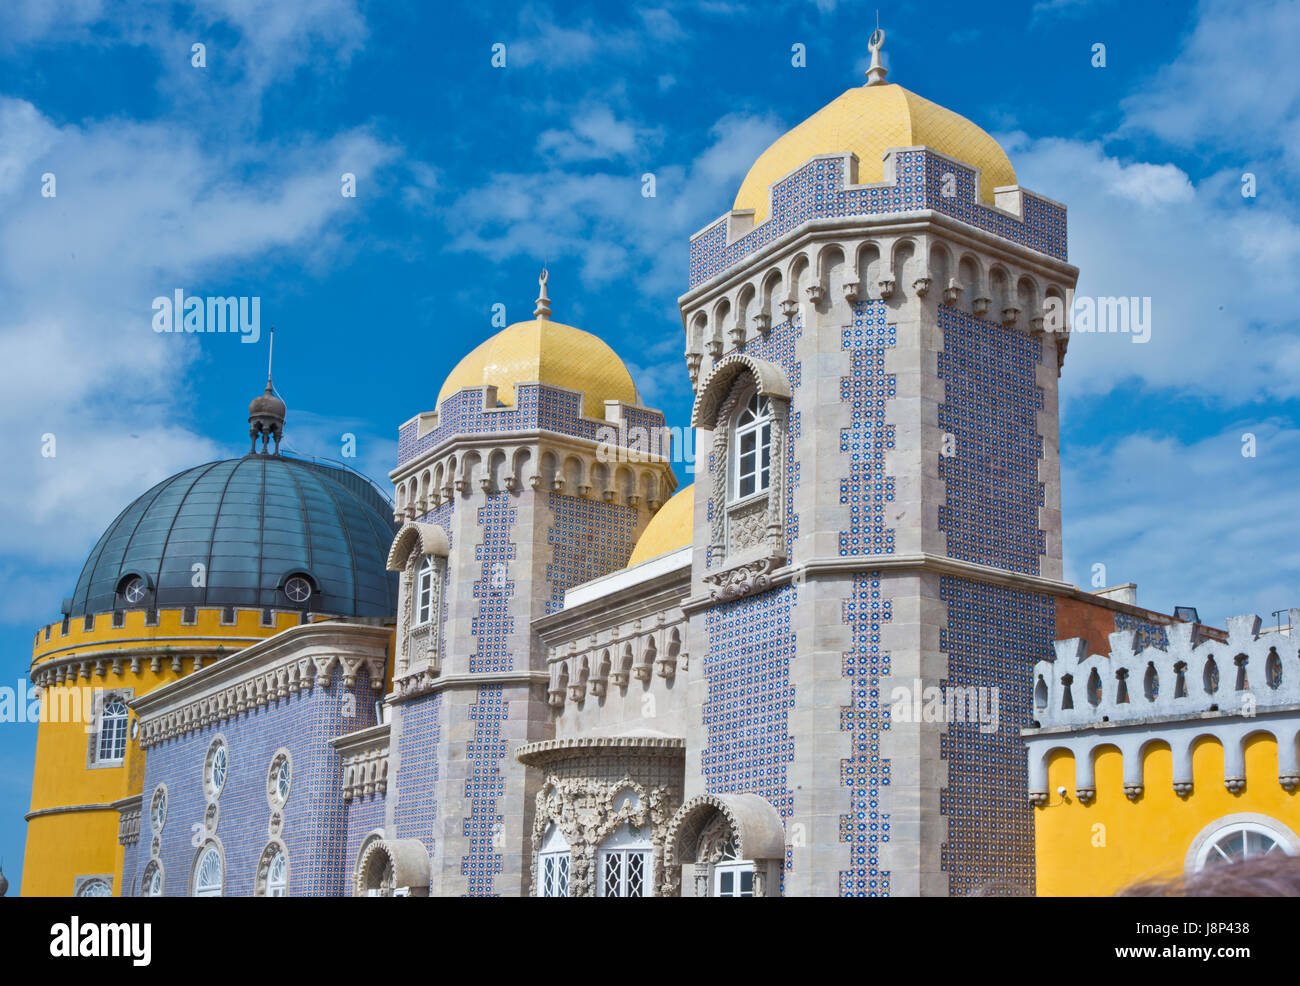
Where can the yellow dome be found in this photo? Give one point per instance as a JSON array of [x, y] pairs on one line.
[[542, 351], [868, 121], [671, 528]]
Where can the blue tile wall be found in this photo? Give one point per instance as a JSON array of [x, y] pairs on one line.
[[483, 789], [991, 405], [865, 827], [363, 816], [818, 191], [867, 489], [993, 639], [747, 713], [589, 538], [314, 825], [415, 782], [494, 590]]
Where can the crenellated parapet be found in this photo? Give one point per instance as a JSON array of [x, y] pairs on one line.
[[1193, 689], [843, 258], [915, 179], [469, 446]]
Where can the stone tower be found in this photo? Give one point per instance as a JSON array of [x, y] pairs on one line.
[[537, 471], [870, 607]]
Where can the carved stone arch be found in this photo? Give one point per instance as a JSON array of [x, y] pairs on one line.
[[746, 307], [1029, 297], [1001, 291], [798, 275], [549, 472], [768, 379], [705, 823], [520, 468], [769, 298], [625, 486], [471, 469], [970, 272], [494, 474], [903, 263], [943, 271], [392, 868], [719, 317], [575, 477], [829, 273], [426, 539]]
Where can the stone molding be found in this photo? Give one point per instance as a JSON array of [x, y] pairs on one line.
[[130, 812], [365, 762], [641, 648], [544, 751], [588, 810]]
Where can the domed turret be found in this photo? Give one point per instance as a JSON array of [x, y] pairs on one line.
[[543, 351], [868, 120]]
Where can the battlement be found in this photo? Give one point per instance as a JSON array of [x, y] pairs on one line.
[[915, 179], [1251, 672]]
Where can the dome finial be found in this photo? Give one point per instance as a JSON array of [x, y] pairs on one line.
[[876, 71], [266, 413], [543, 309]]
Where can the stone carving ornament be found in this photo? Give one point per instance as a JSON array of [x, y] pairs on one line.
[[588, 811]]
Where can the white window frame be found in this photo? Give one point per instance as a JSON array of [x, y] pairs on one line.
[[96, 886], [110, 745], [759, 408], [277, 884], [1205, 856], [737, 869], [554, 862], [210, 851], [617, 859], [424, 592]]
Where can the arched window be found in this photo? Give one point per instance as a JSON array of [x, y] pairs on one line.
[[752, 456], [424, 592], [112, 730], [151, 884], [214, 773], [95, 888], [273, 873], [207, 873], [279, 780], [553, 864], [1240, 841], [626, 867]]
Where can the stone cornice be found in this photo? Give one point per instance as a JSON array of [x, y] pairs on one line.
[[69, 809], [541, 752], [419, 684], [943, 565], [361, 739], [870, 225], [1146, 724], [293, 661]]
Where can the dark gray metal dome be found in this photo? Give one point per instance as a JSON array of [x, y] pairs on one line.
[[252, 523]]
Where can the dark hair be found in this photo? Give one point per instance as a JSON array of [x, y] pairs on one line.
[[1268, 876]]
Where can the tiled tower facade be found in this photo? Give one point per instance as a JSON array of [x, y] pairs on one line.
[[531, 499], [911, 551]]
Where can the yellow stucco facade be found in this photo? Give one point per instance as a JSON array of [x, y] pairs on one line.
[[72, 828], [1097, 848]]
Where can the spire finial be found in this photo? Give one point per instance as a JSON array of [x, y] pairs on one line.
[[266, 413], [876, 71], [543, 309]]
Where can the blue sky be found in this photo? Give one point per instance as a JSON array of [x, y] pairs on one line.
[[225, 180]]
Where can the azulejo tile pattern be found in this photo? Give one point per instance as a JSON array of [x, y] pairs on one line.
[[866, 490], [314, 826], [924, 180], [993, 638], [536, 406], [484, 787], [415, 781], [865, 827], [747, 713], [1146, 634], [494, 590], [589, 538], [990, 409]]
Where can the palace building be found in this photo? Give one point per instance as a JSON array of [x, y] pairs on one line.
[[543, 669]]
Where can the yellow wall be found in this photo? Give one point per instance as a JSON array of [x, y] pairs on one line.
[[62, 846], [1099, 848]]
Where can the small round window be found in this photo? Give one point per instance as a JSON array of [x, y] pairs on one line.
[[298, 589], [158, 809], [215, 772], [279, 779], [135, 590]]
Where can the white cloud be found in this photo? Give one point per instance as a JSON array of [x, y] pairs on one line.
[[1194, 524], [1217, 270], [141, 209], [595, 134]]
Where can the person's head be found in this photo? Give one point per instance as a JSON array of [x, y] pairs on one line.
[[1275, 875]]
